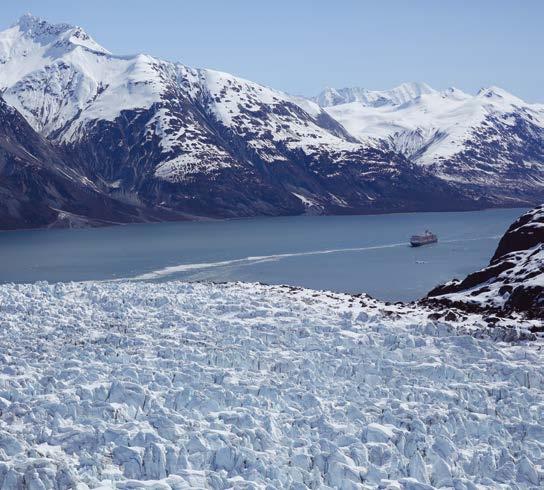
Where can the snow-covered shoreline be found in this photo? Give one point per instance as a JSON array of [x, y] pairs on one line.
[[188, 385], [512, 283]]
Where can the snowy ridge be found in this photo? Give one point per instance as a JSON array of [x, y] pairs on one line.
[[26, 45], [255, 112], [62, 82], [56, 75], [514, 280], [176, 385], [452, 113], [182, 142], [269, 122], [405, 92], [487, 139]]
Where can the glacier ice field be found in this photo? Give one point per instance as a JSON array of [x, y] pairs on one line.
[[193, 385]]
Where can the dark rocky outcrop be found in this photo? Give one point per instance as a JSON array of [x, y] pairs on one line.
[[513, 283], [38, 188]]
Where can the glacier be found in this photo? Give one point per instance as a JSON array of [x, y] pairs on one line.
[[196, 385]]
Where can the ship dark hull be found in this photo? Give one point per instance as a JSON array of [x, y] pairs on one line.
[[420, 244]]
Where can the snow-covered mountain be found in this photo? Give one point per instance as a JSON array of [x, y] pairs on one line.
[[405, 92], [492, 142], [178, 142], [165, 136], [513, 283]]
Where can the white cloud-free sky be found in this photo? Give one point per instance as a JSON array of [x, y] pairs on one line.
[[302, 46]]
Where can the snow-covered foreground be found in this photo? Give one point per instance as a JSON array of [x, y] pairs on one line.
[[176, 385]]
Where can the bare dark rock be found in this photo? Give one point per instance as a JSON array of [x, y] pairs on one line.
[[513, 281], [450, 316]]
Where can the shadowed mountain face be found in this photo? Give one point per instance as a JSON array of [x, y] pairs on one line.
[[160, 140], [514, 280], [38, 188], [35, 183]]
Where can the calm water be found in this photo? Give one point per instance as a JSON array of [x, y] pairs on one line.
[[343, 253]]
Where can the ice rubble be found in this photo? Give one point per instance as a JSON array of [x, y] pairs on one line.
[[177, 385]]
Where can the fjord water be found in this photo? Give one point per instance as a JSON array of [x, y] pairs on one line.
[[341, 253]]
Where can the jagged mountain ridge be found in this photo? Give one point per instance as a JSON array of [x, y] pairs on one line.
[[402, 94], [168, 139], [492, 142]]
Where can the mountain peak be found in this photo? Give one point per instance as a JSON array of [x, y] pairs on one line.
[[454, 93], [44, 32], [419, 87], [491, 91], [405, 92], [28, 20], [497, 94], [34, 26], [408, 91]]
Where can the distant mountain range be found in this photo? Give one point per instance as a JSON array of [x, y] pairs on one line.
[[490, 143], [88, 137]]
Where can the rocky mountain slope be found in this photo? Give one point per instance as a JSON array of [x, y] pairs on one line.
[[163, 136], [491, 143], [38, 188], [513, 283], [174, 142]]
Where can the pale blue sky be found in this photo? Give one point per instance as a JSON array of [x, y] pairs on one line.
[[302, 46]]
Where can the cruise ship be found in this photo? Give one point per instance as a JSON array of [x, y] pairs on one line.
[[425, 239]]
